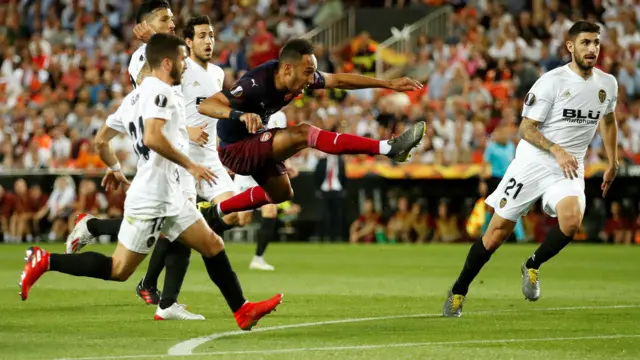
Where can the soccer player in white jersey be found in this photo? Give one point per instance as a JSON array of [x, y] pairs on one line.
[[560, 116], [154, 119], [269, 227], [201, 80], [153, 16]]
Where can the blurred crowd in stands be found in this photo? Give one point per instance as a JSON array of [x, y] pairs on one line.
[[64, 69]]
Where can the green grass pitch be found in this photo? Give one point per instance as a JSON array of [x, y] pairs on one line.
[[589, 308]]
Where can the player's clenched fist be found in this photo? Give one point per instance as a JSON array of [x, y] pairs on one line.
[[568, 163], [143, 31], [200, 172], [252, 121]]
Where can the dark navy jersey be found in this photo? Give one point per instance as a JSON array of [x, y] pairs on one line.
[[256, 93]]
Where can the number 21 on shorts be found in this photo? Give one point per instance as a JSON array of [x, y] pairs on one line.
[[512, 185]]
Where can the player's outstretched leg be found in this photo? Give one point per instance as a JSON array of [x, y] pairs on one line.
[[268, 232], [201, 238], [287, 142], [479, 254], [336, 143], [118, 267], [569, 211], [88, 227]]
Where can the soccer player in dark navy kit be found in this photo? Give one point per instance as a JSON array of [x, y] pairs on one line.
[[247, 148]]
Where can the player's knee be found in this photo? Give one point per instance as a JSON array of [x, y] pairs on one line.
[[231, 219], [300, 134], [570, 223], [496, 234], [213, 246], [301, 129], [245, 218]]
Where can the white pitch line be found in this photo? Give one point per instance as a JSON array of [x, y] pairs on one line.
[[186, 348], [380, 346]]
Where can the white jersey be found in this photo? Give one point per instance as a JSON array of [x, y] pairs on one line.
[[277, 120], [136, 64], [197, 85], [155, 190], [569, 108]]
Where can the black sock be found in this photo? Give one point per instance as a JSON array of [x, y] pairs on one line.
[[177, 263], [225, 278], [267, 232], [89, 264], [219, 226], [556, 240], [99, 227], [477, 257], [156, 263]]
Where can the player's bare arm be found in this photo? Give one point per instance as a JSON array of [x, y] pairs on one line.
[[529, 132], [609, 132], [353, 81], [155, 140], [114, 177], [218, 106]]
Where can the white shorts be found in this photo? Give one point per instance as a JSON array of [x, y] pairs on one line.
[[527, 181], [244, 182], [223, 184], [140, 235]]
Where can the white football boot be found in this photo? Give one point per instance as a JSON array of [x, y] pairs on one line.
[[176, 312], [80, 236], [258, 263]]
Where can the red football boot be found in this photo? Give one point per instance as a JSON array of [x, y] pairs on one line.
[[249, 314], [37, 263]]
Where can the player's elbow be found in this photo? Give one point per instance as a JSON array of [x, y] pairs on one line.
[[100, 142], [151, 139]]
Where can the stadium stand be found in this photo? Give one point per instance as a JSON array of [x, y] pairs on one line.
[[64, 67]]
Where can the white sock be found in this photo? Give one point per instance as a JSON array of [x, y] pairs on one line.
[[258, 258], [220, 213], [384, 147]]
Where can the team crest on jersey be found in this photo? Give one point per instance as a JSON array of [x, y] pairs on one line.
[[161, 100], [265, 137], [530, 99], [602, 95], [503, 202], [151, 241], [236, 91]]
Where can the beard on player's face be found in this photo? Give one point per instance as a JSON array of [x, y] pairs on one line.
[[202, 54], [175, 74], [586, 62]]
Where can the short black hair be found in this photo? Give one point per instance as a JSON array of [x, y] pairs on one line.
[[189, 30], [149, 7], [294, 50], [162, 46], [583, 27]]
